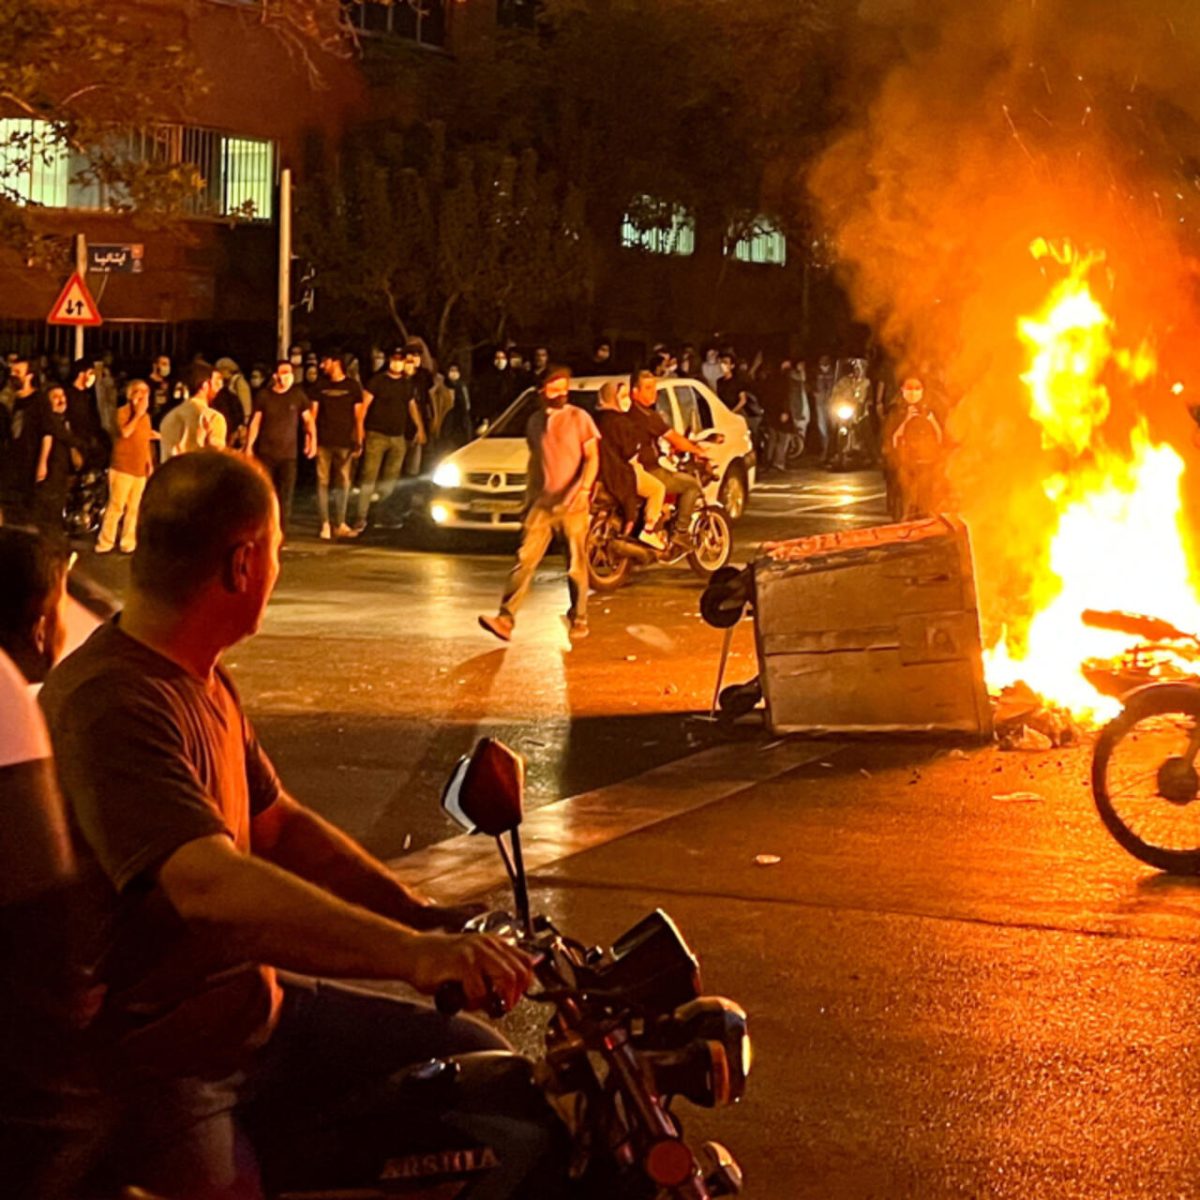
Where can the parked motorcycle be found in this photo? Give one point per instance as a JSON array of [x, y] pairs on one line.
[[86, 499], [612, 554], [1145, 780]]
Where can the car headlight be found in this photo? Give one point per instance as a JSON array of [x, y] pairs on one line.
[[439, 514], [447, 476], [843, 412]]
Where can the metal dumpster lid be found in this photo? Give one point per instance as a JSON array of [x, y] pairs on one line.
[[874, 538]]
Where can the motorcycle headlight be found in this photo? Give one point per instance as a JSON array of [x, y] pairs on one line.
[[650, 967], [720, 1026], [843, 412], [447, 476], [700, 1072]]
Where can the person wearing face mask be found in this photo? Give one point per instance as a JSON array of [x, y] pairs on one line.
[[495, 391], [272, 439], [83, 416], [394, 421], [619, 444], [564, 458], [422, 385], [457, 429]]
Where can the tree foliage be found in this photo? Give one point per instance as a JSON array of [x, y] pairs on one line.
[[457, 244]]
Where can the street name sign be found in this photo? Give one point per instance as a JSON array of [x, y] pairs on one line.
[[74, 305], [127, 258]]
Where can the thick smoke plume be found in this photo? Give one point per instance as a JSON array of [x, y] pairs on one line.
[[971, 129]]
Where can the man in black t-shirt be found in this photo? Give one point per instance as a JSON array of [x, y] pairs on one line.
[[338, 405], [652, 426], [278, 411], [394, 421]]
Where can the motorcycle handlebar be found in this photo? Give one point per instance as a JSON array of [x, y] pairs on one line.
[[450, 1000]]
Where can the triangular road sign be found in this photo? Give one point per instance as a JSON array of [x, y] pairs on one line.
[[74, 305]]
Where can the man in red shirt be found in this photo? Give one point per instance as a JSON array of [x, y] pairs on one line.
[[564, 457]]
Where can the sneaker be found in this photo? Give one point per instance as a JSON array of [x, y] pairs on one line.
[[103, 550], [655, 541], [344, 531], [500, 626], [578, 629], [325, 532], [359, 527]]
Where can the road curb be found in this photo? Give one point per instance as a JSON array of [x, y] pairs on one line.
[[467, 865]]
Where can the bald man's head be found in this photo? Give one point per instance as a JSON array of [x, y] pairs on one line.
[[197, 507]]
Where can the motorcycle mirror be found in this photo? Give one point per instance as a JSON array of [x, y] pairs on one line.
[[485, 790]]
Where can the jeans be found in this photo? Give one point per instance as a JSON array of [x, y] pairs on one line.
[[540, 526], [328, 1072], [335, 459], [381, 451], [124, 500], [283, 478], [653, 491], [686, 489]]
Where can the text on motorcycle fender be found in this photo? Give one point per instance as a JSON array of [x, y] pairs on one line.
[[444, 1162]]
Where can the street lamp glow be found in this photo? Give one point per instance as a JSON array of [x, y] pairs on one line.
[[447, 476]]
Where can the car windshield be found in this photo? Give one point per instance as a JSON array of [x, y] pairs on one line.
[[514, 420]]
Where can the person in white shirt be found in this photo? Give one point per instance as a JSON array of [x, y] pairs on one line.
[[54, 1119], [195, 424]]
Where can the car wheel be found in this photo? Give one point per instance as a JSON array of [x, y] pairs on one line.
[[734, 494]]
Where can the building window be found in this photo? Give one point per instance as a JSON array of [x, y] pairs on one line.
[[238, 173], [248, 176], [517, 14], [658, 227], [764, 243], [34, 165], [420, 21]]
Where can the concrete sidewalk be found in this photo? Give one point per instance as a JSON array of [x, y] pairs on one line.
[[958, 986]]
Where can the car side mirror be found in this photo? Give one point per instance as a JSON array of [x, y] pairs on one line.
[[485, 791]]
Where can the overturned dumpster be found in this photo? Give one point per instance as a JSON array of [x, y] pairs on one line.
[[871, 630]]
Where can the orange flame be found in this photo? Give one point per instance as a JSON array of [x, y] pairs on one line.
[[1117, 542]]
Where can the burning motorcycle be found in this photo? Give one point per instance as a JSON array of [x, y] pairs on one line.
[[1144, 775], [612, 555], [628, 1033]]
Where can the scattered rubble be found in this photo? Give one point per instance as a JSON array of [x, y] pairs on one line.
[[1019, 797], [767, 860], [1024, 721]]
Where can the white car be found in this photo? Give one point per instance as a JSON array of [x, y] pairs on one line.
[[482, 485]]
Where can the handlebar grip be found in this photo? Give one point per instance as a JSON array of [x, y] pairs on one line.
[[450, 999]]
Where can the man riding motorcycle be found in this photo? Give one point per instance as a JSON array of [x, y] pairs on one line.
[[204, 880], [650, 426]]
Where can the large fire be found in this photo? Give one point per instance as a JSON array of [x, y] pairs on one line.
[[1117, 540]]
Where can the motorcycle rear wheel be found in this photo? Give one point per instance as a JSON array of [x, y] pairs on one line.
[[606, 571], [1144, 778], [712, 536]]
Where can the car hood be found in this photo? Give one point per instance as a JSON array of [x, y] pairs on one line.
[[491, 454]]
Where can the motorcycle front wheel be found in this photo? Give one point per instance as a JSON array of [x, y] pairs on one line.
[[1144, 777], [712, 538], [607, 570]]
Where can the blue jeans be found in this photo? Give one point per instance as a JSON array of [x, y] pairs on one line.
[[326, 1088]]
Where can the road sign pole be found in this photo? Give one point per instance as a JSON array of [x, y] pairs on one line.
[[81, 268], [284, 311]]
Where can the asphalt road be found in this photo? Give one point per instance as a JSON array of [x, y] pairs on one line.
[[371, 676], [958, 985]]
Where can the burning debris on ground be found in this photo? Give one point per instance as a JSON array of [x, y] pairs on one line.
[[1023, 720]]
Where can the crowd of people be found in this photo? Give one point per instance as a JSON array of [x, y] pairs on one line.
[[367, 423]]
